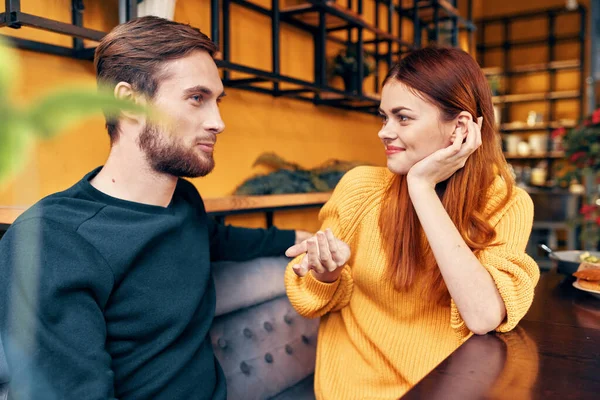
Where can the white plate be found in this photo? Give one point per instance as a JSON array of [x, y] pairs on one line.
[[592, 292], [573, 255]]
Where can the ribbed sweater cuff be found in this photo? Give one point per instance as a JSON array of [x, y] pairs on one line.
[[320, 290], [457, 323]]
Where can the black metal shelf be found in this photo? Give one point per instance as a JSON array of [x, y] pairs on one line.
[[446, 11], [542, 156], [319, 18], [523, 127], [551, 67], [529, 42], [536, 97], [13, 17], [338, 18], [534, 68]]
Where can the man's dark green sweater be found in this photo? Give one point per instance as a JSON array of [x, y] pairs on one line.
[[105, 298]]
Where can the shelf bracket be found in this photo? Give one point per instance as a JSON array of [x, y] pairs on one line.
[[11, 13], [77, 14]]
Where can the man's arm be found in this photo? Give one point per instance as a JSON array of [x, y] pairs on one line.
[[55, 287], [228, 243]]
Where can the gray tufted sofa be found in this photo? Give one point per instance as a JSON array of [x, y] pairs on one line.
[[265, 348], [3, 374]]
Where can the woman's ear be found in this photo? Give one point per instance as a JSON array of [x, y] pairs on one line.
[[461, 122]]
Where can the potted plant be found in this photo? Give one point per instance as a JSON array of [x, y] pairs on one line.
[[287, 177], [345, 65], [45, 118], [495, 82], [582, 150]]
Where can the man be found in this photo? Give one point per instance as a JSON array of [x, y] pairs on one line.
[[106, 287]]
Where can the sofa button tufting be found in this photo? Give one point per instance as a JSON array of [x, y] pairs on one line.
[[268, 358], [288, 349], [268, 327], [247, 333], [245, 368], [288, 319], [222, 343], [305, 339]]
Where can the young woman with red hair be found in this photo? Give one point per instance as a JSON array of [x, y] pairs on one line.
[[414, 258]]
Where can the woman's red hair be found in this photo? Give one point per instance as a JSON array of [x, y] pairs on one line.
[[451, 80]]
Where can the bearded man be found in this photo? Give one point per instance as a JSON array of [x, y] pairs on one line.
[[106, 288]]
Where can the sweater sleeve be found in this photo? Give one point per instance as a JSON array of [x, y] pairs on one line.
[[514, 272], [55, 286], [229, 243], [310, 297]]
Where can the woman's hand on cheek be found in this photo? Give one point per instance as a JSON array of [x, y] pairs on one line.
[[443, 163]]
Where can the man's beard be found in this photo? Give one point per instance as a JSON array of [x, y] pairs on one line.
[[171, 157]]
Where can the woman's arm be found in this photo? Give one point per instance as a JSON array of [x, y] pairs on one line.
[[469, 283], [471, 286], [319, 279]]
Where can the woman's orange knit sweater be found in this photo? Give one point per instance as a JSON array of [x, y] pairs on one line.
[[376, 342]]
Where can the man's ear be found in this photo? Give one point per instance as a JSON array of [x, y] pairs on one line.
[[124, 91], [461, 122]]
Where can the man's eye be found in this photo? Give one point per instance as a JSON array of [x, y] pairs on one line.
[[197, 98]]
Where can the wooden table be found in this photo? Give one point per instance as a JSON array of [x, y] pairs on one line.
[[553, 354]]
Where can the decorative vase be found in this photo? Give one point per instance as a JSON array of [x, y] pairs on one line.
[[160, 8], [350, 84]]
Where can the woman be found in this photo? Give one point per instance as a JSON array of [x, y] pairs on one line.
[[414, 258]]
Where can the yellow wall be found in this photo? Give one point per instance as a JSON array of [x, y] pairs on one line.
[[298, 131]]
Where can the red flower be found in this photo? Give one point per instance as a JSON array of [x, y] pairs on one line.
[[576, 156], [596, 116], [559, 132], [587, 209], [598, 221]]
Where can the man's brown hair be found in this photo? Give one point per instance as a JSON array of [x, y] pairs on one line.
[[134, 52]]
